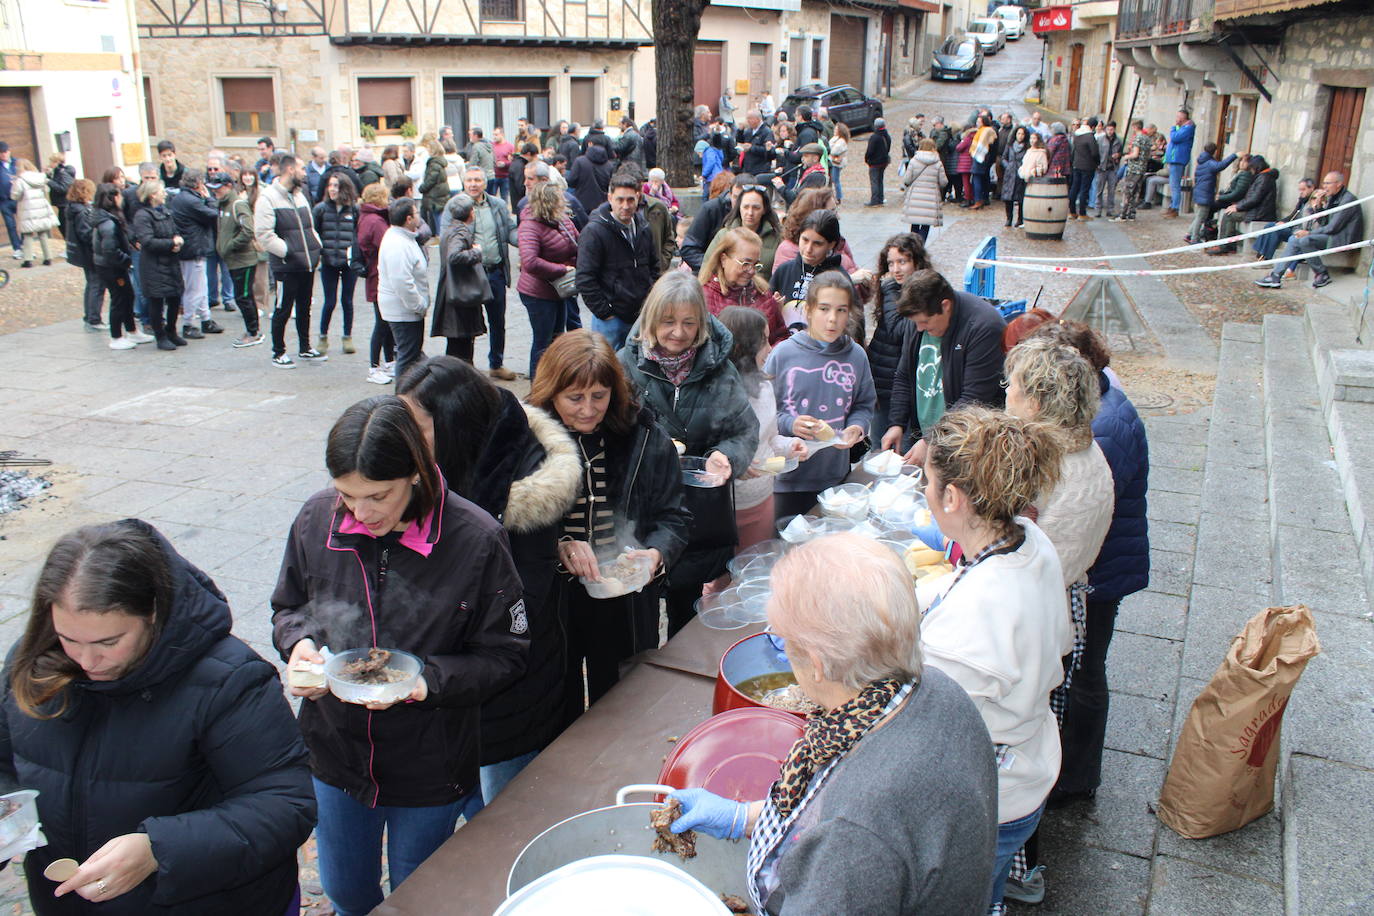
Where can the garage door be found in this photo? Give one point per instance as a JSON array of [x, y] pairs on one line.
[[848, 36], [17, 117]]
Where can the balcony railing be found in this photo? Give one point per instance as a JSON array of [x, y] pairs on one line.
[[1143, 18]]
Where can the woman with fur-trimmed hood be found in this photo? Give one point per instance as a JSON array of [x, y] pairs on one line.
[[520, 465]]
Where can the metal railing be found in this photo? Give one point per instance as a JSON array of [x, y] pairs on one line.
[[1142, 18]]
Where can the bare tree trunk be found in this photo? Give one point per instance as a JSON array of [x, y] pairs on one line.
[[676, 24]]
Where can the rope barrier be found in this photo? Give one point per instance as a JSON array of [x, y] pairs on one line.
[[1174, 271], [1235, 238]]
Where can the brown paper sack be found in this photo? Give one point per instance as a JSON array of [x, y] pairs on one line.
[[1222, 774]]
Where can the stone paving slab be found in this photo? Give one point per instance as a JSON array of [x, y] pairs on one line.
[[1332, 836], [1184, 887]]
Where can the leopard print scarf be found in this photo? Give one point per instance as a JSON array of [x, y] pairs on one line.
[[829, 736]]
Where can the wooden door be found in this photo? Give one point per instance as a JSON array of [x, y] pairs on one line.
[[16, 113], [848, 38], [584, 99], [1075, 77], [1226, 120], [706, 75], [759, 83], [796, 64], [97, 146], [1342, 128]]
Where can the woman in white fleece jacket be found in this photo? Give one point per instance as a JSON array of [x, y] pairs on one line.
[[999, 624], [403, 283]]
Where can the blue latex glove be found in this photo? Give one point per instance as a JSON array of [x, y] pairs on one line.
[[930, 536], [719, 817]]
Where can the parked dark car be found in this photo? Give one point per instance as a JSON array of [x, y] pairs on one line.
[[959, 58], [843, 103]]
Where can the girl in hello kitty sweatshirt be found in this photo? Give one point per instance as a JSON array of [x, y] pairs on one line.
[[821, 378]]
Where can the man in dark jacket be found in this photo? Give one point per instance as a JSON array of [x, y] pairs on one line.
[[1086, 158], [808, 129], [1266, 245], [877, 157], [196, 217], [285, 229], [597, 136], [568, 146], [590, 176], [953, 359], [1343, 227], [617, 261], [708, 221], [1205, 188], [1261, 202], [754, 138]]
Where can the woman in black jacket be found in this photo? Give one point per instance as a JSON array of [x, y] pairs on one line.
[[60, 178], [166, 759], [336, 222], [113, 255], [519, 464], [79, 197], [389, 558], [631, 498], [159, 268], [903, 254], [818, 250]]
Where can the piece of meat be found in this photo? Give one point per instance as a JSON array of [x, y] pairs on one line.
[[734, 904], [661, 819]]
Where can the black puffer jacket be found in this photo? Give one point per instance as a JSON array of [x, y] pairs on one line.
[[885, 349], [446, 591], [111, 251], [1261, 201], [195, 747], [197, 218], [159, 268], [338, 231], [590, 176], [79, 235], [616, 265]]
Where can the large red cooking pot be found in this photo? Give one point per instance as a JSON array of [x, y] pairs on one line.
[[750, 657]]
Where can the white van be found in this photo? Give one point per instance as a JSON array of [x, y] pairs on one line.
[[1014, 19]]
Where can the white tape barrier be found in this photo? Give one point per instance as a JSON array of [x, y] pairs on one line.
[[1210, 268], [1235, 238]]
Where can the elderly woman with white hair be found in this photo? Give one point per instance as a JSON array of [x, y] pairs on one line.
[[844, 822], [999, 624], [657, 186]]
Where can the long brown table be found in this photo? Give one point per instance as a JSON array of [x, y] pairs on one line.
[[621, 740]]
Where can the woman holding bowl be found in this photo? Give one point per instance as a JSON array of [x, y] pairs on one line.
[[166, 760], [677, 357], [389, 558], [630, 475], [842, 823]]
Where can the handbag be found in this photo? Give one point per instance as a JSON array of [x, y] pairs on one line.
[[566, 285]]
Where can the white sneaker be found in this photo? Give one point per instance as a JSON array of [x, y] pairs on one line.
[[121, 343], [378, 376], [139, 337], [389, 369]]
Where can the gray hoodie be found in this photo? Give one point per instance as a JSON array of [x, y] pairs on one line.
[[830, 382]]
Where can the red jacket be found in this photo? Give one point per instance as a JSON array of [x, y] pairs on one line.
[[372, 225], [965, 160], [749, 296], [546, 252]]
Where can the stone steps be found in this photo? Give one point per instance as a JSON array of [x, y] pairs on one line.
[[1327, 755]]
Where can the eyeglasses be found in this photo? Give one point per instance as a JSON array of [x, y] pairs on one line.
[[754, 187], [750, 266]]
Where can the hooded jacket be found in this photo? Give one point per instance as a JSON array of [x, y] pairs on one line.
[[196, 747], [829, 381], [792, 279], [546, 253], [616, 265], [111, 251], [1205, 177], [79, 235], [1122, 566], [970, 358], [435, 186], [925, 181], [159, 268], [1237, 189], [372, 226], [1180, 143], [33, 212], [1261, 200], [196, 218], [527, 477], [285, 230], [446, 591], [590, 176], [234, 235], [879, 152]]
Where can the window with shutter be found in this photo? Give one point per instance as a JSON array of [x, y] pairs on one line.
[[249, 106], [385, 102]]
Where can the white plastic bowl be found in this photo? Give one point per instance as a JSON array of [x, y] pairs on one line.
[[394, 692], [19, 831], [848, 500], [694, 473], [613, 587], [883, 464]]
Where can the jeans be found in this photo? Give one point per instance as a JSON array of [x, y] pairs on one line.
[[546, 323], [613, 329], [382, 342], [500, 187], [349, 837], [979, 180], [875, 183], [219, 281], [573, 320], [835, 182], [1267, 244], [241, 289], [331, 278], [8, 209], [496, 775], [496, 318], [1304, 245], [1085, 717], [1176, 170], [1011, 836], [140, 302], [410, 344], [294, 291], [121, 302], [93, 299], [194, 305], [1079, 184]]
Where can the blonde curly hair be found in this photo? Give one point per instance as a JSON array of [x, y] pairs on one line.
[[1062, 383]]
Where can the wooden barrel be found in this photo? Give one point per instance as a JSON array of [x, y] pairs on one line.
[[1046, 207]]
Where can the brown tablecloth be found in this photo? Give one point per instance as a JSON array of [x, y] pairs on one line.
[[621, 740]]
